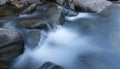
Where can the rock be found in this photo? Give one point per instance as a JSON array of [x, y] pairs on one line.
[[11, 44], [4, 65], [33, 38], [50, 65], [110, 11], [2, 21], [30, 8], [69, 4], [22, 3], [69, 12], [8, 11], [11, 51], [47, 15], [60, 2], [34, 24], [17, 3], [32, 1], [91, 5]]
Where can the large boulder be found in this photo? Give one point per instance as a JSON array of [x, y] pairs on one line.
[[11, 44], [91, 5], [47, 15], [8, 11]]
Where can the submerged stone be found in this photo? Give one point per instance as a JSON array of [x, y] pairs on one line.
[[50, 65], [33, 38]]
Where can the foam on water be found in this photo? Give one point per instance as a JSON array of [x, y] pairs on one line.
[[80, 15], [62, 47]]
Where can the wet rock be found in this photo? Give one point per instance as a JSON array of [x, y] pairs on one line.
[[108, 12], [32, 1], [34, 24], [24, 3], [60, 2], [46, 15], [2, 21], [50, 65], [69, 4], [91, 5], [69, 12], [4, 65], [30, 9], [16, 3], [11, 44], [33, 38], [8, 11]]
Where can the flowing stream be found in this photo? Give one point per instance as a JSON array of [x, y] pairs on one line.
[[86, 41]]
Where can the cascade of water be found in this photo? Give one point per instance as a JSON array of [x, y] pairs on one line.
[[73, 50]]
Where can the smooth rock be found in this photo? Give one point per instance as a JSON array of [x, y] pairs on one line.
[[108, 12], [30, 9], [34, 24], [33, 38], [91, 5], [11, 44]]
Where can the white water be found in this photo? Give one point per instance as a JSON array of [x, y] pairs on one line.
[[63, 47], [80, 15], [73, 50]]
